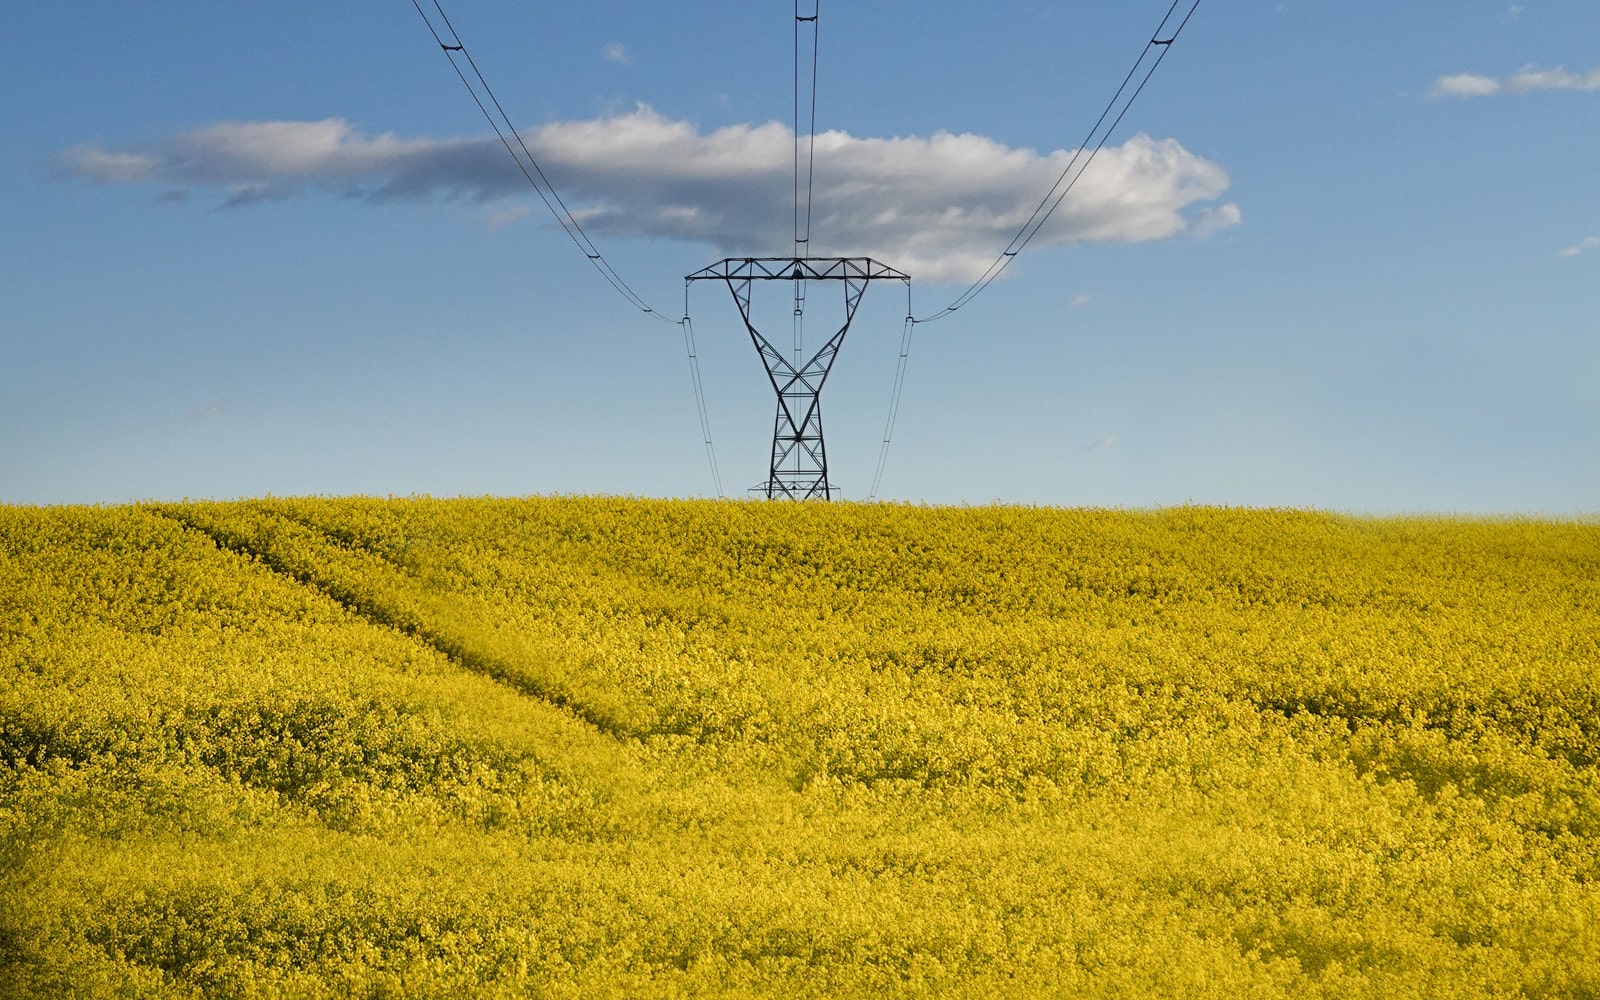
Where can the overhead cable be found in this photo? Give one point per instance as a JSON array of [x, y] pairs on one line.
[[525, 160], [802, 220], [802, 229], [1041, 213], [894, 400], [700, 395], [1074, 169], [569, 224]]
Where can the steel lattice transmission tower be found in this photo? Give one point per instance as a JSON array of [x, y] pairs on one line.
[[799, 469]]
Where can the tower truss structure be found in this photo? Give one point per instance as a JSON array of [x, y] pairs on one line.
[[799, 468]]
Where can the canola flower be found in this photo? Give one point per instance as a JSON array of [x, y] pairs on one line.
[[575, 747]]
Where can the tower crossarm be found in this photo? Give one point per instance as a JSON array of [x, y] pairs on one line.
[[799, 269]]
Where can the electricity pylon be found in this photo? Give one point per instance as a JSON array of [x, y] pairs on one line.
[[799, 469]]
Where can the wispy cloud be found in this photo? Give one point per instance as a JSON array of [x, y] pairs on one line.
[[499, 218], [1080, 300], [1101, 444], [1512, 13], [1524, 81], [1465, 85], [937, 206], [617, 52], [109, 166], [1210, 220], [1585, 244], [1532, 78], [208, 411]]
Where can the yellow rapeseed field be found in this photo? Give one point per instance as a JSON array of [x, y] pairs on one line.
[[589, 748]]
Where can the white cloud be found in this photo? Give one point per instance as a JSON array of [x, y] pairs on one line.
[[617, 52], [1526, 80], [1587, 243], [208, 411], [938, 206], [1101, 444], [1465, 85], [1532, 78], [1210, 220], [110, 167], [1512, 13], [1080, 300]]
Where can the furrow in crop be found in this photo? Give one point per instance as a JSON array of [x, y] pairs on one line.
[[398, 610]]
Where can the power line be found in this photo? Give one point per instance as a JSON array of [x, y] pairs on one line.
[[894, 396], [1041, 213], [699, 392], [542, 186], [815, 21], [802, 243], [1067, 179], [563, 215]]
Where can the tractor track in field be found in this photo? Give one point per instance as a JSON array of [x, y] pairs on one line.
[[376, 613]]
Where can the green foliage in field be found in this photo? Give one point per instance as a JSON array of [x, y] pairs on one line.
[[614, 748]]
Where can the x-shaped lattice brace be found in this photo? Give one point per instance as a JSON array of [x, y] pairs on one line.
[[799, 468]]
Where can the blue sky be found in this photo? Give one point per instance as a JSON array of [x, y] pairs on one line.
[[1341, 255]]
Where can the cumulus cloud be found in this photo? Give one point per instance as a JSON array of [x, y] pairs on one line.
[[1080, 300], [1585, 244], [1526, 80], [617, 52], [938, 206]]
